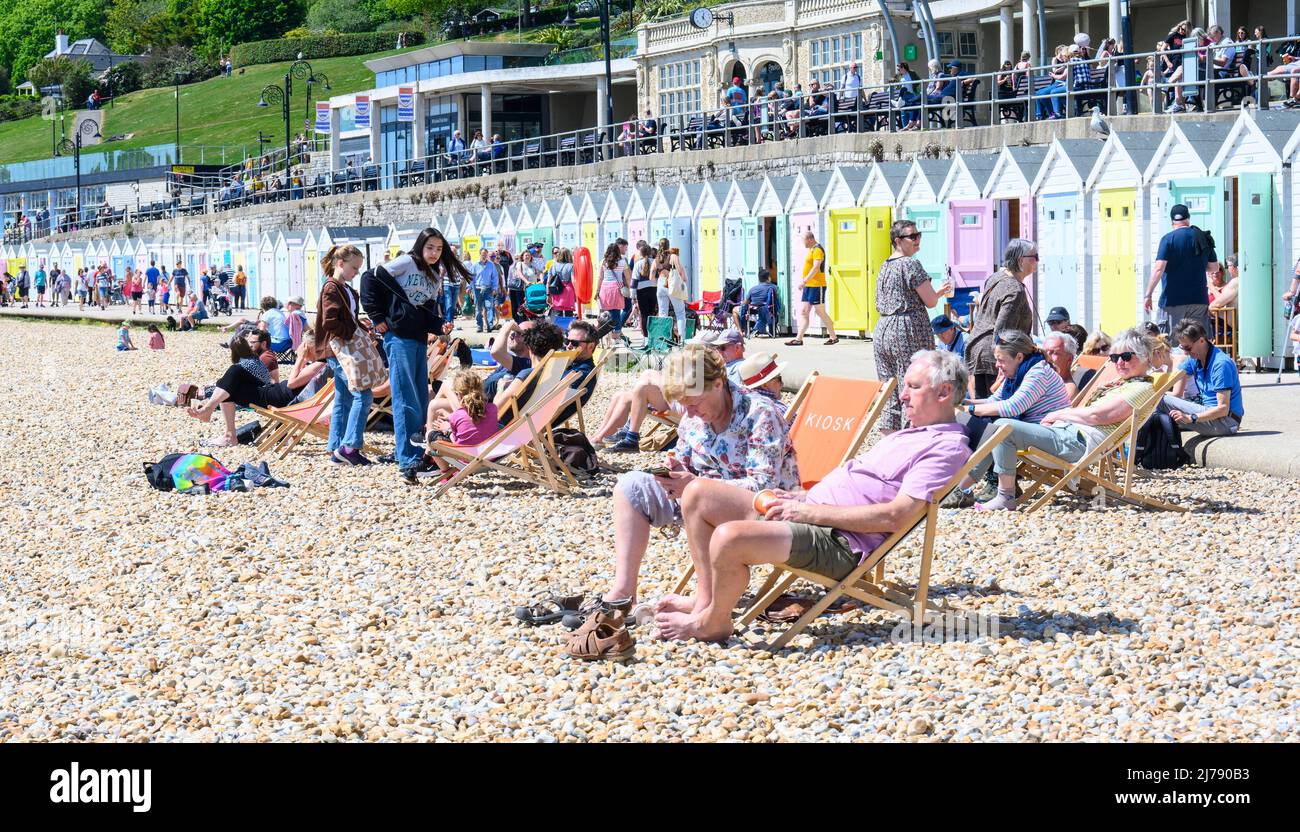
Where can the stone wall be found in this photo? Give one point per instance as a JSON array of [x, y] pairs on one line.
[[417, 204]]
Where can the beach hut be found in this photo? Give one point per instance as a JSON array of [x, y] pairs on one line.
[[972, 223], [289, 276], [774, 239], [637, 216], [401, 238], [487, 227], [5, 254], [544, 224], [589, 220], [470, 242], [659, 214], [506, 228], [1182, 162], [740, 258], [1117, 176], [567, 233], [523, 224], [708, 236], [681, 233], [1064, 263], [803, 207], [613, 216], [854, 243], [370, 239], [918, 201], [265, 269], [879, 197], [1255, 165], [1008, 189], [280, 267], [116, 257], [311, 271]]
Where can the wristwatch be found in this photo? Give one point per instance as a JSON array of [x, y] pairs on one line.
[[1193, 418], [970, 408]]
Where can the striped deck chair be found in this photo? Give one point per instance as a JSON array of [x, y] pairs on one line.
[[861, 584], [1108, 467], [545, 373], [828, 420], [600, 357], [522, 449]]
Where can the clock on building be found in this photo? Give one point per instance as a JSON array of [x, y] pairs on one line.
[[702, 18]]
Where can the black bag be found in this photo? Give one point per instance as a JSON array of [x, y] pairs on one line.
[[1160, 444], [554, 283], [575, 450], [247, 434]]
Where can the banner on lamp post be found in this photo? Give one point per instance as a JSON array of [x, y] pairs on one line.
[[362, 106], [322, 116], [406, 103]]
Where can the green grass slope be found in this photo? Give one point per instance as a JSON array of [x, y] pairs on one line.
[[219, 111]]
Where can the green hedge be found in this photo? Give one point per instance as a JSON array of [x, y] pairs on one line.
[[15, 107], [318, 46]]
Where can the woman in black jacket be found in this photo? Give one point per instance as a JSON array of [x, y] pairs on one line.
[[403, 299]]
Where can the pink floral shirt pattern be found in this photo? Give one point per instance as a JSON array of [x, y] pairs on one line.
[[754, 452]]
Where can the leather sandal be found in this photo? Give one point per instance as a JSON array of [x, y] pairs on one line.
[[794, 342], [547, 608], [602, 636], [830, 342]]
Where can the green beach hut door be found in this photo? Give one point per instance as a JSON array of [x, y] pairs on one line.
[[1255, 253]]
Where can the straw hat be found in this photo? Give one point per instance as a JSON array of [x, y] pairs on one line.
[[758, 369]]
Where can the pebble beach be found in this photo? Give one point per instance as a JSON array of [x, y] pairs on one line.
[[352, 607]]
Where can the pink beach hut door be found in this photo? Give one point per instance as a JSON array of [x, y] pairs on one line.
[[971, 238]]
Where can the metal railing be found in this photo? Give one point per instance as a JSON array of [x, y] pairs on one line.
[[944, 102]]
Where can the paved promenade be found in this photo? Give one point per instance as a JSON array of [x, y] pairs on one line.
[[1269, 442]]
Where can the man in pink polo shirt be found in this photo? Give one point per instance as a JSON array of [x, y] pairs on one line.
[[831, 527]]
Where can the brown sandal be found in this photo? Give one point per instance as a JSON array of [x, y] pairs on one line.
[[185, 394], [602, 636]]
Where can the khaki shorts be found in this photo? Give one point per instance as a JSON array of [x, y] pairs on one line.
[[821, 549]]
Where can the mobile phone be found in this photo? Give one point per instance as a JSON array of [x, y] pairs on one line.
[[657, 471]]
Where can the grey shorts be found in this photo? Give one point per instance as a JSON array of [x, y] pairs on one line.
[[821, 549], [649, 499], [1171, 315]]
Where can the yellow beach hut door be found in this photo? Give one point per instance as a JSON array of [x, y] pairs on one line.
[[878, 221], [848, 269], [1118, 263]]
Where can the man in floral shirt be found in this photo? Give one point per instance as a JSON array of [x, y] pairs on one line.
[[726, 433]]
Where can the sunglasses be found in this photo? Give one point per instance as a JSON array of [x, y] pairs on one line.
[[572, 343], [915, 236], [1121, 356]]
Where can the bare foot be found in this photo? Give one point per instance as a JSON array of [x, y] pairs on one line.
[[676, 626], [200, 414], [675, 603]]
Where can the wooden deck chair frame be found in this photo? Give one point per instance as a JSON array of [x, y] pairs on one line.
[[554, 365], [282, 430], [867, 583], [536, 459], [1115, 459], [868, 421], [1096, 363], [599, 358], [661, 432]]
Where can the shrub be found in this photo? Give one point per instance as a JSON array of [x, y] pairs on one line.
[[318, 46], [123, 78], [166, 63], [15, 107]]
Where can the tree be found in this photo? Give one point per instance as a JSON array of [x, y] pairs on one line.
[[340, 15], [76, 77], [27, 28], [430, 12], [4, 81], [227, 22]]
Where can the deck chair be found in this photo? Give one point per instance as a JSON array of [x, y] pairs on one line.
[[522, 449], [828, 420], [1104, 372], [662, 430], [600, 357], [861, 584], [1108, 467], [381, 404], [286, 426], [542, 378]]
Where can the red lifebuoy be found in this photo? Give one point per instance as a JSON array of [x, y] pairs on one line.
[[583, 278]]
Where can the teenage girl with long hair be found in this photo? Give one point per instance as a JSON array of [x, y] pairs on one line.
[[337, 317], [615, 285], [403, 299]]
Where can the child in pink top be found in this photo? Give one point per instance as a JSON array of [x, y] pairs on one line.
[[474, 419], [155, 338]]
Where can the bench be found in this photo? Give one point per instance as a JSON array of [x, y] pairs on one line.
[[848, 112], [590, 150], [412, 174]]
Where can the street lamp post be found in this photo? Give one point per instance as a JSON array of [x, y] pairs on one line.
[[274, 94], [176, 77], [73, 146], [609, 87]]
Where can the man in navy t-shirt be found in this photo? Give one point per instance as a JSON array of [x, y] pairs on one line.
[[151, 276], [761, 298], [1184, 255], [1220, 409]]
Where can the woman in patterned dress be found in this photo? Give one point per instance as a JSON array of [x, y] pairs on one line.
[[1004, 304], [904, 295]]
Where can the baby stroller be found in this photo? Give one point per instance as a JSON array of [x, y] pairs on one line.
[[733, 290], [220, 300]]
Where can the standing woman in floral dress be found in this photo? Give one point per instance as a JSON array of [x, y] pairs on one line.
[[904, 295]]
